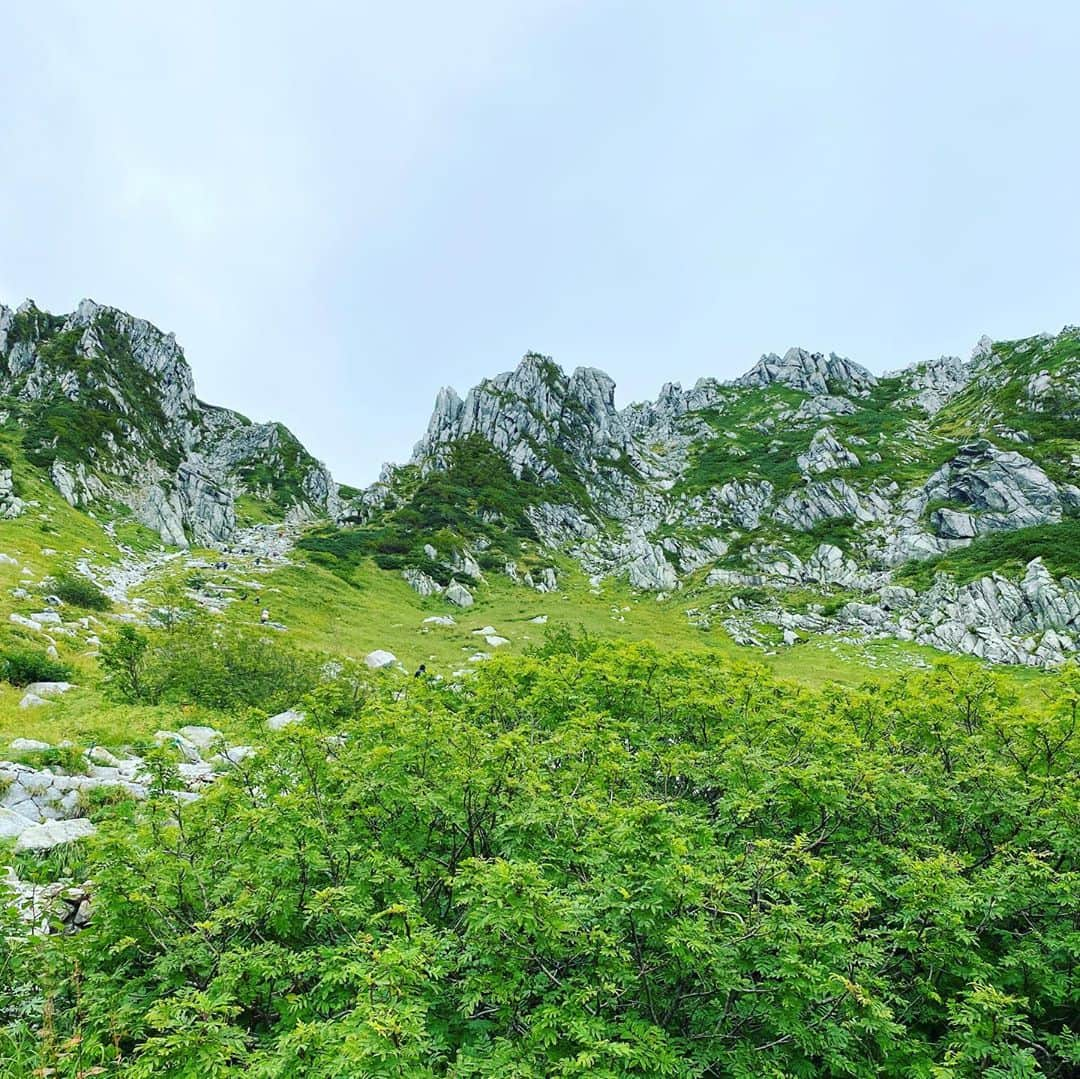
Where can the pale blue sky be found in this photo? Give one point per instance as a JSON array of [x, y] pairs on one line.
[[338, 208]]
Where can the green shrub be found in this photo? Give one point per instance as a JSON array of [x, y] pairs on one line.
[[79, 592], [201, 662], [22, 664], [603, 860]]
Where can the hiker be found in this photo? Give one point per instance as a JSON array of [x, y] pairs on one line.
[[420, 671], [265, 616]]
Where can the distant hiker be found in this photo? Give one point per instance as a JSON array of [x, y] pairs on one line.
[[420, 671], [265, 616]]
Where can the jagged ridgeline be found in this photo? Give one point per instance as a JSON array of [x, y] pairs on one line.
[[934, 504], [105, 404]]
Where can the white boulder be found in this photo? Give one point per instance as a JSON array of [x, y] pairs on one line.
[[380, 659]]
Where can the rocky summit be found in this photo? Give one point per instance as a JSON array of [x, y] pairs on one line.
[[935, 504]]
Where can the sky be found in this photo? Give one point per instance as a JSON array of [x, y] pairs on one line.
[[340, 207]]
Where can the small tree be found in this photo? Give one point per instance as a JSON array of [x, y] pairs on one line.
[[123, 660]]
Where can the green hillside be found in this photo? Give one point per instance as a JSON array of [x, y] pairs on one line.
[[594, 742]]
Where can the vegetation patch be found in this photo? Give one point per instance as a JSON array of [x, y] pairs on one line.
[[1058, 545], [599, 860], [79, 591], [476, 497], [22, 663]]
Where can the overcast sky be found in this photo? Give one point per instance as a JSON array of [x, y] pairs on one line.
[[338, 208]]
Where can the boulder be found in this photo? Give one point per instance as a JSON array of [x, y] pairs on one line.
[[49, 689], [12, 824], [284, 719], [53, 833], [201, 737], [459, 595], [28, 745], [32, 700], [233, 755], [380, 659], [188, 749]]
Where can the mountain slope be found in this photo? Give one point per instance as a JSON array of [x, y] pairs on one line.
[[804, 496], [105, 403], [808, 497]]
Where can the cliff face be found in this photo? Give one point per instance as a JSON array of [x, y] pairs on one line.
[[106, 404]]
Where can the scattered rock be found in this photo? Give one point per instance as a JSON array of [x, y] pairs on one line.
[[284, 719], [28, 745], [421, 583], [49, 689], [459, 595], [53, 833], [380, 659]]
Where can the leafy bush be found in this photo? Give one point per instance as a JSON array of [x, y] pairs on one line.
[[21, 664], [199, 662], [602, 860], [79, 592]]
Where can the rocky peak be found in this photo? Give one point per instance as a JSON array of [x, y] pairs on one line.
[[810, 372], [106, 405], [935, 383]]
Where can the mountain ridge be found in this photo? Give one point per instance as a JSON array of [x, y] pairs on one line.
[[808, 470], [806, 496]]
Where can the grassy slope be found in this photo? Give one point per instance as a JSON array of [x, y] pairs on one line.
[[374, 608], [377, 609]]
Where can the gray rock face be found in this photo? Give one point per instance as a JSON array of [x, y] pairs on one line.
[[646, 565], [421, 583], [178, 463], [826, 454], [932, 385], [822, 500], [10, 504], [1004, 490], [811, 372], [1032, 621]]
